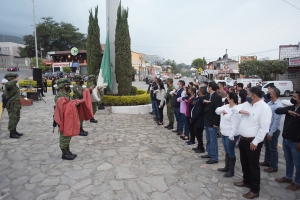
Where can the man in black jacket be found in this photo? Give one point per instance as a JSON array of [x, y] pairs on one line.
[[176, 108], [211, 122], [291, 142], [197, 119]]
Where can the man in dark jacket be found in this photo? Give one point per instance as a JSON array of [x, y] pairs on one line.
[[211, 122], [176, 107], [197, 119], [291, 142]]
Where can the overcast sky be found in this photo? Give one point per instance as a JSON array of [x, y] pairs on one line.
[[177, 30]]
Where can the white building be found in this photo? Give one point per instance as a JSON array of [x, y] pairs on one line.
[[10, 48]]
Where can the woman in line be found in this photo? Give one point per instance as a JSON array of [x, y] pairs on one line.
[[229, 129], [184, 96], [189, 107], [160, 100]]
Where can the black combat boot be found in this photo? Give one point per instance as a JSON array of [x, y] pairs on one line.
[[17, 133], [226, 168], [230, 172], [167, 126], [171, 126], [101, 107], [13, 135], [93, 120], [73, 154], [66, 155], [82, 132]]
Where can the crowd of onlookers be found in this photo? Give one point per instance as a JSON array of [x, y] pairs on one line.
[[243, 117]]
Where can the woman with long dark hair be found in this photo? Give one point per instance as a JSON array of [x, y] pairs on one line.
[[243, 96], [229, 129], [160, 96], [189, 107]]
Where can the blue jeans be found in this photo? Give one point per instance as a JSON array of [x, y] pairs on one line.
[[292, 159], [229, 146], [155, 107], [211, 142], [178, 117], [186, 125], [271, 155], [152, 104]]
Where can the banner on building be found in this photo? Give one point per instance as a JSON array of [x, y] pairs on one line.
[[294, 61]]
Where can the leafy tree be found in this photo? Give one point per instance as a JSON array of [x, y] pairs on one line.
[[43, 67], [198, 62], [53, 36], [182, 66], [123, 53], [93, 49], [174, 68], [160, 61], [33, 62], [264, 69], [67, 70]]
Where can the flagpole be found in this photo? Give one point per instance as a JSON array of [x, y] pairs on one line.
[[36, 53]]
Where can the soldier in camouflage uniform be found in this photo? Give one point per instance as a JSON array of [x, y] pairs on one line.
[[91, 84], [170, 111], [13, 104], [77, 94], [64, 141]]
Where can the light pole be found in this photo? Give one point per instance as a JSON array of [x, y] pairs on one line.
[[141, 59], [36, 52]]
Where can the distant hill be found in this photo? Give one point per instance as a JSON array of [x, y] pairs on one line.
[[9, 38]]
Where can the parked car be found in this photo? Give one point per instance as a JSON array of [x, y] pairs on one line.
[[71, 75], [60, 73], [147, 79], [13, 69], [177, 76], [285, 87], [49, 75]]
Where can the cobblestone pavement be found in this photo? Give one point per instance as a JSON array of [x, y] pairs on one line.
[[123, 157]]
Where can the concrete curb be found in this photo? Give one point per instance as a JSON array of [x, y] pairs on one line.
[[135, 110]]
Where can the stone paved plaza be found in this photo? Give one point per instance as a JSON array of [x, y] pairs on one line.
[[123, 157]]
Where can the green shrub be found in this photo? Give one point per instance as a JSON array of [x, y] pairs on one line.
[[133, 91], [23, 83], [140, 99], [139, 92]]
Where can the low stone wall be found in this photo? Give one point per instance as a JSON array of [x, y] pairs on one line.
[[133, 110]]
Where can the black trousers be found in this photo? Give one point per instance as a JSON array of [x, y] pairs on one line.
[[161, 111], [199, 135], [53, 91], [45, 87], [192, 131], [250, 164]]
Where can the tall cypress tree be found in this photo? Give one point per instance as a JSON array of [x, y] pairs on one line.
[[123, 53], [93, 50]]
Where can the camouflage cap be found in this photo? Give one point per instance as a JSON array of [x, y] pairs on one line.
[[77, 77], [62, 82], [91, 77], [170, 80], [11, 75]]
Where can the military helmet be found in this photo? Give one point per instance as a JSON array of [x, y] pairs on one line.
[[77, 78], [10, 76], [170, 80], [62, 82]]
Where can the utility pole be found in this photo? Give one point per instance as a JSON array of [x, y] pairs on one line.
[[36, 52]]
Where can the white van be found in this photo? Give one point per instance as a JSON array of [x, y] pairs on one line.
[[285, 87], [253, 81]]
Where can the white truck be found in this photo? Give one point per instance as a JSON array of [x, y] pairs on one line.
[[286, 88], [246, 81], [229, 81]]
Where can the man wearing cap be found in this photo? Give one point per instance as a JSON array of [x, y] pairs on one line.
[[91, 84], [77, 91], [13, 104], [64, 141], [170, 112]]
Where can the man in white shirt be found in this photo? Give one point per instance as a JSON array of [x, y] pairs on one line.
[[255, 123], [271, 140]]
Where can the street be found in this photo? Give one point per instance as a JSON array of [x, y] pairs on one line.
[[23, 73]]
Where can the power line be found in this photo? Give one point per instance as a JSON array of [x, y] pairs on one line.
[[291, 4]]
